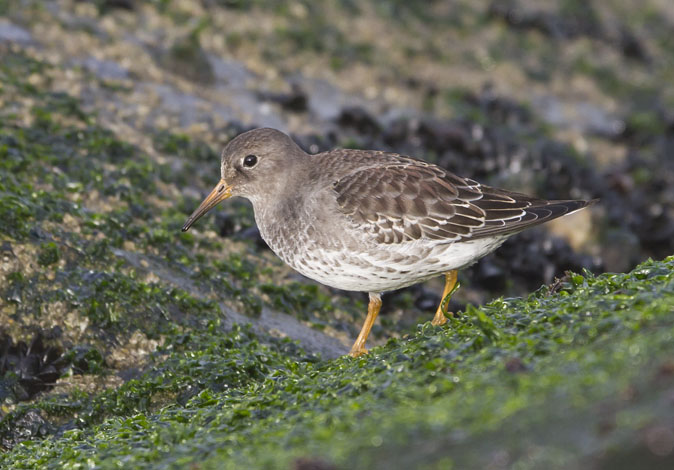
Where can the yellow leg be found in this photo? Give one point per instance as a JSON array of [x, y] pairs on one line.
[[450, 283], [373, 308]]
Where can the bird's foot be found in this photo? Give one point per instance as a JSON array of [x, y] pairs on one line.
[[440, 319], [358, 348], [357, 352], [451, 285]]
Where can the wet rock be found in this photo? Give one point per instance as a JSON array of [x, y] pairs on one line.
[[106, 5], [231, 130], [397, 133], [252, 233], [36, 233], [584, 117], [226, 224], [295, 101], [314, 143], [33, 368], [230, 225], [104, 69], [9, 32], [185, 106], [30, 425], [515, 365], [632, 46], [234, 74], [426, 300], [325, 99], [580, 21], [640, 202], [499, 109], [620, 250], [186, 57], [85, 359], [13, 293], [312, 463], [528, 260], [360, 120], [490, 275], [6, 250], [441, 136], [561, 173], [574, 20]]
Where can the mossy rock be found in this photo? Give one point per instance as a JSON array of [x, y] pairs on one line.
[[550, 381]]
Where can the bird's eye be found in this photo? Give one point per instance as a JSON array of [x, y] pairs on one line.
[[250, 161]]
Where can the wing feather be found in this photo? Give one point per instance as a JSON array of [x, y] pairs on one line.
[[402, 200]]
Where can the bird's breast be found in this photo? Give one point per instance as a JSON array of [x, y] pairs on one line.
[[323, 244]]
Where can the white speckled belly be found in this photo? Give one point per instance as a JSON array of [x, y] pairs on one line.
[[340, 255], [379, 268], [384, 270]]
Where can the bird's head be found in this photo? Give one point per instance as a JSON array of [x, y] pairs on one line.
[[253, 165]]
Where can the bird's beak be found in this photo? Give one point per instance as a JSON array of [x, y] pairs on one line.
[[221, 192]]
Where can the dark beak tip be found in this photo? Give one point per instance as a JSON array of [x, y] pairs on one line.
[[186, 226]]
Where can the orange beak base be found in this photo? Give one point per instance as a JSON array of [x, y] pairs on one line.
[[221, 192]]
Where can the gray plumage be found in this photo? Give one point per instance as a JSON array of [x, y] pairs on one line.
[[368, 220]]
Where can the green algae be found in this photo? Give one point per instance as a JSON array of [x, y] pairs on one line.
[[73, 198], [49, 254], [187, 58], [187, 148], [519, 378], [550, 361], [50, 171]]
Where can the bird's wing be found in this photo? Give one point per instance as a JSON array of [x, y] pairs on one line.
[[410, 200]]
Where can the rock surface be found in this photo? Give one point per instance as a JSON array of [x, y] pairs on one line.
[[117, 328]]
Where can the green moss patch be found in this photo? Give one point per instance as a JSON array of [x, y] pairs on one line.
[[563, 371]]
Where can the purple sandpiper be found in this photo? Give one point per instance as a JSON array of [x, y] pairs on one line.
[[370, 221]]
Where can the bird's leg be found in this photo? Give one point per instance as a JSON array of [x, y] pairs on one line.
[[450, 286], [373, 308]]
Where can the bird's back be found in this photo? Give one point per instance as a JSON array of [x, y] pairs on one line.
[[376, 221]]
